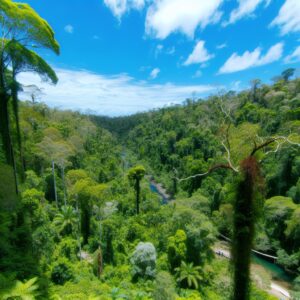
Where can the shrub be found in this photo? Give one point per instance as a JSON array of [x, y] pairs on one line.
[[164, 287], [61, 271], [162, 262], [177, 249], [143, 261], [31, 199], [68, 248]]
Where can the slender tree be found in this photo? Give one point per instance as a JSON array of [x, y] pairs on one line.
[[255, 83], [136, 174], [287, 74], [22, 60]]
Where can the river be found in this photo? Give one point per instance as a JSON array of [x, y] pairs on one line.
[[277, 273], [156, 188]]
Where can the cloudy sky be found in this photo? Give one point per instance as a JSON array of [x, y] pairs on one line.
[[123, 56]]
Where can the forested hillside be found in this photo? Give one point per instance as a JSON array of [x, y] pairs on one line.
[[164, 205], [179, 143], [74, 226]]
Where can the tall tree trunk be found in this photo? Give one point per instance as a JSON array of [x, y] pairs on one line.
[[15, 170], [4, 127], [4, 116], [14, 94], [99, 262], [54, 183], [64, 184], [244, 221], [174, 186], [137, 184], [6, 137], [85, 222], [78, 227]]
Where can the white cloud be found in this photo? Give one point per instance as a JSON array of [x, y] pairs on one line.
[[69, 29], [120, 7], [159, 48], [245, 9], [110, 95], [154, 73], [221, 46], [145, 68], [237, 63], [199, 55], [185, 16], [288, 18], [251, 59], [293, 57], [198, 74], [274, 54], [171, 51]]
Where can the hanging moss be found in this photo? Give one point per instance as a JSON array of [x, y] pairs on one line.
[[245, 214]]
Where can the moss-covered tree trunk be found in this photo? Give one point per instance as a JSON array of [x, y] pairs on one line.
[[6, 140], [244, 222]]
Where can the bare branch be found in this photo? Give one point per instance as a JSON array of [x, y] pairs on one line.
[[226, 113], [279, 140], [276, 150], [261, 146], [229, 158], [210, 170], [260, 138], [287, 140]]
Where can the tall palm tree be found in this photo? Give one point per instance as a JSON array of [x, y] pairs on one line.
[[21, 27], [136, 174], [25, 60], [188, 275], [66, 220]]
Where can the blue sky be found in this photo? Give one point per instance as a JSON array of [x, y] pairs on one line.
[[123, 56]]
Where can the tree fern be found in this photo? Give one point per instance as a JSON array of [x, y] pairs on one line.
[[66, 219], [22, 290], [189, 275]]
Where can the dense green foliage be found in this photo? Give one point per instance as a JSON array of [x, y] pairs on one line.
[[79, 219], [97, 209], [187, 140], [182, 141]]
